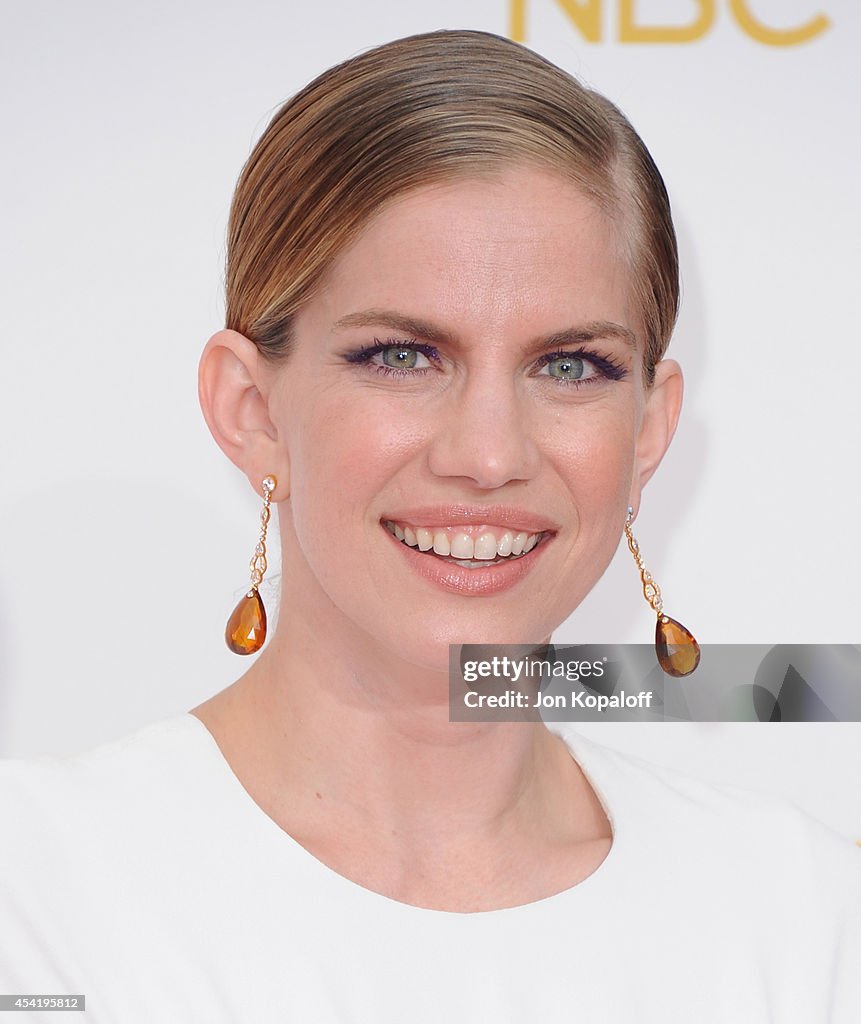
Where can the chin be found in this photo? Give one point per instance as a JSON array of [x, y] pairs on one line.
[[429, 650]]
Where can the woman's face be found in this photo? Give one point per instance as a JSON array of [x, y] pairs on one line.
[[469, 377]]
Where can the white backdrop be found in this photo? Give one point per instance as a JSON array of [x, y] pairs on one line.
[[126, 533]]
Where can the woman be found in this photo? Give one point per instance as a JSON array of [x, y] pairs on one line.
[[451, 282]]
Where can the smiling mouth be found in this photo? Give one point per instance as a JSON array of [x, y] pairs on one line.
[[470, 550]]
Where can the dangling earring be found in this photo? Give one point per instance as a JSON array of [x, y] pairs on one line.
[[677, 650], [246, 627]]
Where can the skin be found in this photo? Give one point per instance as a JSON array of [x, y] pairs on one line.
[[339, 730]]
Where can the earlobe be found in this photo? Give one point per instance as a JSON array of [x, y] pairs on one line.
[[660, 418], [231, 387]]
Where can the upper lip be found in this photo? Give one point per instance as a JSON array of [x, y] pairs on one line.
[[473, 515]]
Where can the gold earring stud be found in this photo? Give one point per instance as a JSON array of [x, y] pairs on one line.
[[677, 651], [245, 632]]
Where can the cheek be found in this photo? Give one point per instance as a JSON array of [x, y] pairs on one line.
[[595, 458], [341, 456], [596, 465]]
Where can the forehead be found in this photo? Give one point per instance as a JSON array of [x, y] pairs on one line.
[[517, 252]]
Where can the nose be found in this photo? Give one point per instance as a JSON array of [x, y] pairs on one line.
[[484, 434]]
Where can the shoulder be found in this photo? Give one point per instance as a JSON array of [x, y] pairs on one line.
[[85, 834], [70, 795], [730, 829], [759, 885], [90, 843], [147, 750]]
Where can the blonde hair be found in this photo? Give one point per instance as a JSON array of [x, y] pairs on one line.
[[413, 112]]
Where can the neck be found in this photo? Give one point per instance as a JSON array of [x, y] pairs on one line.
[[350, 750], [335, 715]]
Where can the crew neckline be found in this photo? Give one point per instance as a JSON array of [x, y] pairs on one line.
[[586, 754]]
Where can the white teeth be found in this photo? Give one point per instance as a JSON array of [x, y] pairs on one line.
[[440, 543], [424, 538], [462, 546], [485, 547]]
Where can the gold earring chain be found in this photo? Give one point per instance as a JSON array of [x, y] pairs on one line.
[[651, 590], [258, 559]]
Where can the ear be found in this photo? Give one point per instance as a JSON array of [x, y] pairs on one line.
[[660, 418], [231, 385]]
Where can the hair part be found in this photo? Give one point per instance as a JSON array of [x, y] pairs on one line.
[[420, 110]]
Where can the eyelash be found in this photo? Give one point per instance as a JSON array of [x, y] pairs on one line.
[[364, 355], [607, 369]]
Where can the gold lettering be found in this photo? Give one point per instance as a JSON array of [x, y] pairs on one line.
[[585, 14], [631, 32], [776, 36], [517, 20]]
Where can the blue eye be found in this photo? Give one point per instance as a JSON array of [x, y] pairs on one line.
[[580, 368], [567, 368], [403, 358], [395, 358]]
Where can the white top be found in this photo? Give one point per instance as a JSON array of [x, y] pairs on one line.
[[141, 874]]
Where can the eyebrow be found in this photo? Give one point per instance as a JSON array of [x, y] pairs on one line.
[[437, 335]]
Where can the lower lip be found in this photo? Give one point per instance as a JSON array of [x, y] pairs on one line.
[[496, 578]]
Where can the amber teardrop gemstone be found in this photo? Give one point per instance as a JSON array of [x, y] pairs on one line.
[[246, 627], [678, 653]]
